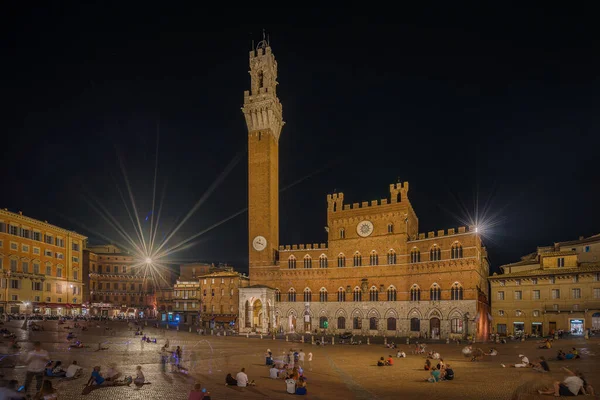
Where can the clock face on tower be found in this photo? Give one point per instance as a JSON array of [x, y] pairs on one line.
[[364, 228], [259, 243]]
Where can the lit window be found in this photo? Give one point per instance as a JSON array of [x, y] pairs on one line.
[[500, 295], [457, 250], [415, 256], [518, 295]]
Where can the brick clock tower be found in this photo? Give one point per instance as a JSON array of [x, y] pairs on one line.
[[263, 114]]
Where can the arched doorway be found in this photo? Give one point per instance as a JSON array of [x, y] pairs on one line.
[[257, 313], [596, 320], [434, 328]]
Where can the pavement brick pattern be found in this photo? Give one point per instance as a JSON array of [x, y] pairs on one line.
[[337, 372]]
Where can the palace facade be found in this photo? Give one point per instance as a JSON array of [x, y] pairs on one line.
[[40, 265], [555, 288], [375, 275], [117, 287]]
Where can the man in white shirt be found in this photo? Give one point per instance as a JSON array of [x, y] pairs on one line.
[[570, 386], [310, 361], [73, 371], [242, 378], [524, 362], [36, 365], [273, 372], [301, 358]]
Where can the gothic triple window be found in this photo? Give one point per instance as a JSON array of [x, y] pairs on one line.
[[391, 257], [291, 295], [357, 294], [323, 261], [415, 255], [357, 259], [435, 293], [435, 254], [292, 262], [415, 293], [457, 250], [373, 258], [341, 295], [277, 295], [307, 295], [341, 261], [456, 292], [373, 294], [307, 261], [391, 294], [323, 295]]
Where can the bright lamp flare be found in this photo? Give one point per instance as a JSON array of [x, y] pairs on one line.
[[148, 260]]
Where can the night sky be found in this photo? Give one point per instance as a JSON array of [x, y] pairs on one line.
[[465, 104]]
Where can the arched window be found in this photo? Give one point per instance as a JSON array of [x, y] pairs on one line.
[[415, 255], [391, 256], [456, 325], [435, 253], [357, 294], [390, 228], [457, 251], [415, 293], [435, 293], [341, 295], [391, 294], [342, 233], [341, 323], [323, 261], [415, 324], [341, 261], [373, 258], [292, 295], [357, 259], [307, 261], [391, 324], [277, 295], [373, 321], [292, 262], [307, 295], [356, 323], [373, 294], [323, 323], [323, 295], [456, 292]]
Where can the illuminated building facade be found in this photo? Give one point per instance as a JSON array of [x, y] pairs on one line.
[[41, 267], [555, 288], [376, 275], [117, 288]]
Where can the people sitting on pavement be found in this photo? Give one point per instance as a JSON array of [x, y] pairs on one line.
[[435, 375], [230, 380], [492, 352], [74, 371], [541, 365], [401, 354], [570, 386], [111, 373], [381, 362], [301, 387], [523, 364], [546, 344], [449, 373], [390, 360], [427, 365]]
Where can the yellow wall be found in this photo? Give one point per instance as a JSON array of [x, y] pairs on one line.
[[41, 266], [545, 310]]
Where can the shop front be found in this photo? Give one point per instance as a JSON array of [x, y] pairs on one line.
[[536, 328], [518, 328], [576, 326]]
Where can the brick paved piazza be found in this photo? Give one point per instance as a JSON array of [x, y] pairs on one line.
[[338, 372]]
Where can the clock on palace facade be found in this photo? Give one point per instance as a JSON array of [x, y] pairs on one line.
[[259, 243], [364, 228]]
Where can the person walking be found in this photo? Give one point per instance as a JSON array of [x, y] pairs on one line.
[[36, 364]]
